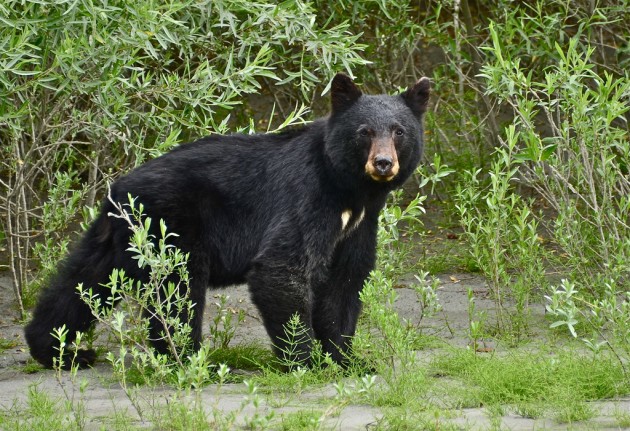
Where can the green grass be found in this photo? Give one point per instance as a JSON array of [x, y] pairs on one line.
[[31, 367], [244, 357], [536, 383], [412, 420], [249, 357], [295, 382], [408, 390], [301, 420], [179, 415], [622, 417], [6, 344], [40, 412]]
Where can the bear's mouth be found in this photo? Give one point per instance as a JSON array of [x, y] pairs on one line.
[[382, 178], [382, 171]]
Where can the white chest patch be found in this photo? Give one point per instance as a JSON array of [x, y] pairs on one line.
[[348, 223], [345, 218]]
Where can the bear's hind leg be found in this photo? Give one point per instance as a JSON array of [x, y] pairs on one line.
[[60, 303]]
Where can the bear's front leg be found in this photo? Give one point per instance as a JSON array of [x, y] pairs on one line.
[[336, 294], [280, 290], [280, 277]]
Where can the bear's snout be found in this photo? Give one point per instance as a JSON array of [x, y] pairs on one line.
[[382, 164]]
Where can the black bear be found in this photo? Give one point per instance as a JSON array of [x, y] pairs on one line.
[[293, 214]]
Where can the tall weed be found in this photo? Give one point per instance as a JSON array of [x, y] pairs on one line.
[[503, 235]]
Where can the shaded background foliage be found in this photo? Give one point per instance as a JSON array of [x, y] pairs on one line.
[[89, 90]]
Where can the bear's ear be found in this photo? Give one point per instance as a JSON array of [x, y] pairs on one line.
[[417, 97], [343, 93]]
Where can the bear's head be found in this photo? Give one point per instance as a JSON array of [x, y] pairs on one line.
[[375, 139]]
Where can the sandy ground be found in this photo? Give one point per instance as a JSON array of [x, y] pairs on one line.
[[103, 396]]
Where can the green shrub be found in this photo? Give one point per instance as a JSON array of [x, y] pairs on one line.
[[503, 237]]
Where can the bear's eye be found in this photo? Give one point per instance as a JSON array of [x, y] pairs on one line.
[[364, 132], [399, 132]]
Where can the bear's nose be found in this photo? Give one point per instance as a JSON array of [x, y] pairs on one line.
[[383, 164]]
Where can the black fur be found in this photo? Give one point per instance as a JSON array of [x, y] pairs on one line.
[[263, 209]]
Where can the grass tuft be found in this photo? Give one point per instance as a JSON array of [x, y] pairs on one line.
[[536, 383]]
